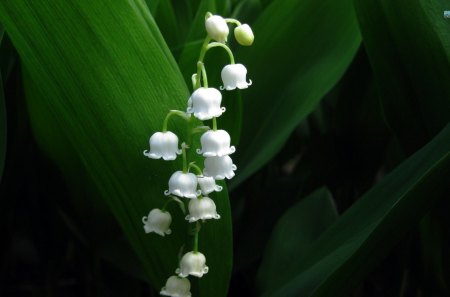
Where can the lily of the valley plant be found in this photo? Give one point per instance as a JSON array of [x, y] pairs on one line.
[[204, 104]]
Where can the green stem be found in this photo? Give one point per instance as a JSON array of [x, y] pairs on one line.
[[197, 169], [204, 77], [200, 60], [214, 123], [163, 209], [183, 149], [196, 237], [216, 44], [233, 21], [171, 113]]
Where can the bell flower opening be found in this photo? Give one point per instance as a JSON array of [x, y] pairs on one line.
[[157, 221], [234, 76], [192, 263], [163, 145], [204, 103], [216, 144], [176, 287], [183, 185], [219, 167], [202, 209]]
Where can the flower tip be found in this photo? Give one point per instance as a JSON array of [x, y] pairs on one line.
[[244, 35]]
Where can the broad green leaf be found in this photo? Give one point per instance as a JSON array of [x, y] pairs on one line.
[[109, 79], [301, 50], [350, 248], [294, 232], [408, 43]]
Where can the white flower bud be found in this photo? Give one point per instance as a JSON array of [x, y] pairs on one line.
[[216, 143], [204, 103], [177, 287], [192, 263], [219, 167], [202, 209], [234, 76], [163, 144], [183, 185], [208, 184], [157, 221], [217, 28], [244, 35]]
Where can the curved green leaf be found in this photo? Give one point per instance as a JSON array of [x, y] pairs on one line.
[[294, 232], [350, 248], [109, 79], [408, 43], [301, 50]]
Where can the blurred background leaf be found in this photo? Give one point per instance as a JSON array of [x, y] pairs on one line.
[[408, 44], [296, 59], [349, 249]]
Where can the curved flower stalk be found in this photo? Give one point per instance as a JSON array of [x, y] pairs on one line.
[[193, 190]]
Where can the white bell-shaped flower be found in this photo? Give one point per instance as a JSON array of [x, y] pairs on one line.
[[202, 209], [183, 185], [176, 287], [192, 263], [157, 221], [234, 76], [217, 28], [216, 143], [204, 103], [208, 185], [244, 35], [163, 145], [219, 167]]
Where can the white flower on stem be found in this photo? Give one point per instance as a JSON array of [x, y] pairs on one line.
[[202, 209], [219, 167], [204, 103], [163, 145], [183, 185], [244, 35], [234, 76], [176, 287], [217, 28], [192, 263], [157, 221], [208, 184], [216, 143]]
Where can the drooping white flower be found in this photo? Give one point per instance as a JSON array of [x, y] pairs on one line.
[[204, 103], [163, 145], [202, 209], [234, 76], [176, 287], [208, 184], [217, 28], [216, 143], [244, 35], [219, 167], [183, 185], [192, 263], [157, 221]]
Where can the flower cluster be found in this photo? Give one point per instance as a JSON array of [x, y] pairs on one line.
[[203, 104]]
